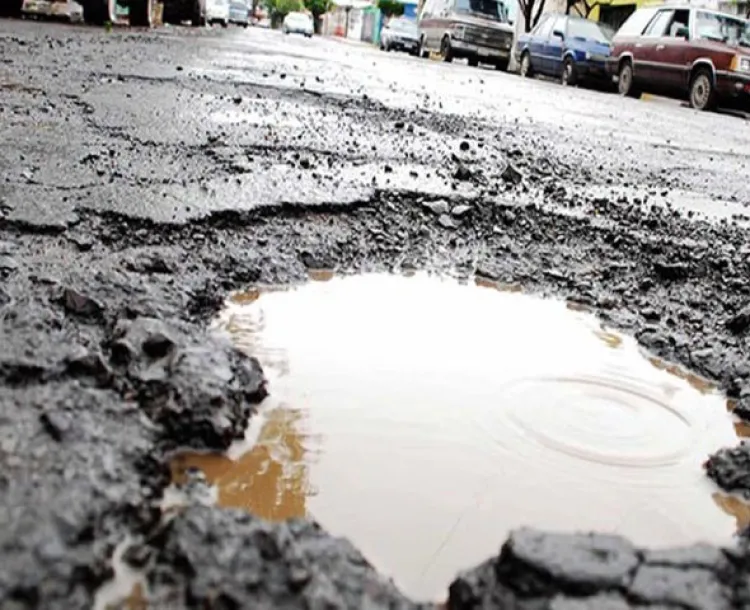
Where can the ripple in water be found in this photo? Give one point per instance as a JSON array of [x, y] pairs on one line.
[[424, 419]]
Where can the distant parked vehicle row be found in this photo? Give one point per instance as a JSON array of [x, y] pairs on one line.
[[683, 52]]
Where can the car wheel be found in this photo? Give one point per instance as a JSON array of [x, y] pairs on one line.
[[99, 12], [625, 84], [473, 61], [387, 48], [141, 13], [702, 91], [421, 50], [199, 13], [526, 70], [569, 75], [446, 53], [224, 24]]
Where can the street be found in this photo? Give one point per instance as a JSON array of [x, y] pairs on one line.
[[149, 174]]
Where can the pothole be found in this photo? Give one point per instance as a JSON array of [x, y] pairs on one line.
[[424, 419]]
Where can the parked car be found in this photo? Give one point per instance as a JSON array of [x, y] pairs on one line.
[[572, 49], [684, 52], [239, 12], [298, 23], [478, 30], [217, 11], [400, 34]]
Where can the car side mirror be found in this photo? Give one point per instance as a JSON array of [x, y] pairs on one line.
[[558, 34], [682, 32]]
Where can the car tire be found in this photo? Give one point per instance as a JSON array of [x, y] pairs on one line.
[[388, 48], [421, 51], [141, 13], [526, 70], [569, 76], [99, 12], [473, 62], [625, 84], [225, 24], [702, 95], [199, 13], [446, 53], [502, 66], [11, 8]]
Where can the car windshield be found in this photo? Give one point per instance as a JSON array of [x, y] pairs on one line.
[[722, 28], [490, 9], [403, 25], [590, 30]]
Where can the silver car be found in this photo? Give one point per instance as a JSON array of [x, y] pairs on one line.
[[298, 23], [400, 34]]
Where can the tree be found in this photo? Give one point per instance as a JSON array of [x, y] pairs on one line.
[[582, 7], [318, 8], [391, 8], [531, 11], [278, 9]]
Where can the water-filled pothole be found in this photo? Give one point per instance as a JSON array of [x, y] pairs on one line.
[[424, 419]]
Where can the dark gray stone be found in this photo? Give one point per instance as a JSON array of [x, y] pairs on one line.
[[208, 556], [532, 562], [692, 588]]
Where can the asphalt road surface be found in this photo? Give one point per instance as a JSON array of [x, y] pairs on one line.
[[144, 175]]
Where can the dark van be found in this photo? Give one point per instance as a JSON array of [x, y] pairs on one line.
[[478, 30]]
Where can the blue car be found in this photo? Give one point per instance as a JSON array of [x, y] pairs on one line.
[[572, 49]]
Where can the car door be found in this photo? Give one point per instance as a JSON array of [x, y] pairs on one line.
[[426, 23], [671, 53], [645, 69], [554, 46], [536, 46]]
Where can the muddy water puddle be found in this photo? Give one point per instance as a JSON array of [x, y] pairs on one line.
[[423, 419]]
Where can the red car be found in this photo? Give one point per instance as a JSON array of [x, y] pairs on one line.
[[683, 52]]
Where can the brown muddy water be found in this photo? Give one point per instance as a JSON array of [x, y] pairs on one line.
[[424, 419]]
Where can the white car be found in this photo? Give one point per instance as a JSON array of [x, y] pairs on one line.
[[217, 11], [298, 23]]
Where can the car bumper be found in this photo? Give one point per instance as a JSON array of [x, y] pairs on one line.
[[593, 70], [730, 85], [403, 45], [461, 47], [238, 17], [299, 31]]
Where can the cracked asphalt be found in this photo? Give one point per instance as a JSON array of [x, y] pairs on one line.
[[144, 175]]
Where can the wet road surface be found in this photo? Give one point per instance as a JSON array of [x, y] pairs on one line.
[[146, 175]]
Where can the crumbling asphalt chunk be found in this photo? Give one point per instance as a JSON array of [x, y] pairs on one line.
[[730, 469], [210, 557], [201, 392], [537, 570]]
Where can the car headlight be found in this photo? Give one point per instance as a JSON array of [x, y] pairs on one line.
[[740, 63], [588, 55], [458, 31]]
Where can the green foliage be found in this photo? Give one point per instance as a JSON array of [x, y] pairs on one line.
[[278, 9], [391, 8], [318, 7]]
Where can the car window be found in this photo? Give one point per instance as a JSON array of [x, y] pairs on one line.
[[659, 24], [491, 9], [538, 27], [722, 28], [558, 25], [637, 22], [402, 25], [545, 28], [589, 30]]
